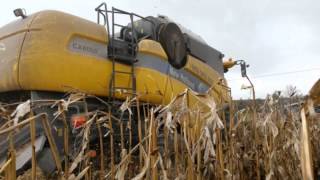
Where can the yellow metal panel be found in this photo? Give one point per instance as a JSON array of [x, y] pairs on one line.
[[152, 47], [11, 40], [9, 53], [47, 63]]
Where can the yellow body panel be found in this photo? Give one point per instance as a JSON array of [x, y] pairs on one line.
[[11, 40], [49, 53]]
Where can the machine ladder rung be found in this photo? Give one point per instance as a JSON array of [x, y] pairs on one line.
[[131, 57]]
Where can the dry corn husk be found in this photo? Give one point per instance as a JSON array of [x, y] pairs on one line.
[[21, 110], [200, 146]]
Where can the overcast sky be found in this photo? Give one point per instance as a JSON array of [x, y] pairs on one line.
[[273, 36]]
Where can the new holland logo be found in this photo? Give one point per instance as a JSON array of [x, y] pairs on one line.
[[2, 47]]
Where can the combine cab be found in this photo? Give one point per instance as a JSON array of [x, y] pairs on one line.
[[49, 53]]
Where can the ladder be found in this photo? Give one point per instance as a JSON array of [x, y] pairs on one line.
[[121, 50], [129, 58]]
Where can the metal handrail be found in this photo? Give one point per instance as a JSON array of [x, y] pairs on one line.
[[102, 10]]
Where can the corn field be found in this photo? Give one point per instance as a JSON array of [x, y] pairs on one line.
[[190, 138]]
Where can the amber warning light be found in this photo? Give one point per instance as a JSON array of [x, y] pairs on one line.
[[78, 121]]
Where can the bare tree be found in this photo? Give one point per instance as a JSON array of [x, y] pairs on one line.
[[290, 91]]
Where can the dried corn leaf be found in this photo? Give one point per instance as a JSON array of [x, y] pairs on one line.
[[124, 166], [21, 110]]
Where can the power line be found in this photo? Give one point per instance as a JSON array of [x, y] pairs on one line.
[[279, 73]]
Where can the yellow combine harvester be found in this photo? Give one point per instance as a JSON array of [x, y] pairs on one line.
[[57, 52], [49, 53]]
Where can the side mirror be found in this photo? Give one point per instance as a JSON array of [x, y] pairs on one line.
[[244, 67], [20, 13]]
